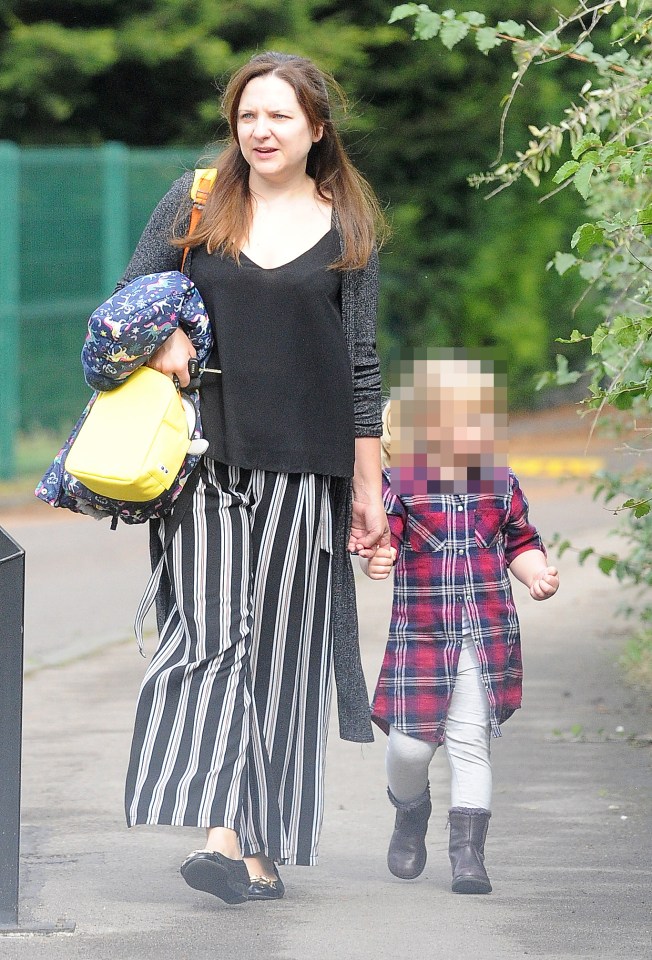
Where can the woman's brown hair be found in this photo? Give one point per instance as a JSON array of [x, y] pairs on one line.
[[226, 218]]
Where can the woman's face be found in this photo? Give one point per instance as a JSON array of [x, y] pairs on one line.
[[273, 131]]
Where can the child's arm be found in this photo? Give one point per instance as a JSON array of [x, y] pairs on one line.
[[524, 549], [531, 568], [379, 566]]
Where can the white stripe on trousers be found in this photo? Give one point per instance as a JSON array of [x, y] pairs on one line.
[[233, 711]]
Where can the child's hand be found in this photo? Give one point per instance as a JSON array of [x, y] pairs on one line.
[[379, 566], [544, 584]]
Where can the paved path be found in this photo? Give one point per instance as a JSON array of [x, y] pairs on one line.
[[570, 844]]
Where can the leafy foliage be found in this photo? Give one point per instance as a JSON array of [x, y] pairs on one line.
[[606, 128], [459, 271]]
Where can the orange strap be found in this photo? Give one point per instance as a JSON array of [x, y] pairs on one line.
[[201, 187], [195, 217]]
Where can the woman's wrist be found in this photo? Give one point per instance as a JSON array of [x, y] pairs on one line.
[[367, 475], [365, 492]]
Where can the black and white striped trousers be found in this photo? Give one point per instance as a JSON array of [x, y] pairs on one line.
[[232, 715]]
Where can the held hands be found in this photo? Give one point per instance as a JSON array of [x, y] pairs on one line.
[[544, 584], [369, 528], [172, 357], [380, 564]]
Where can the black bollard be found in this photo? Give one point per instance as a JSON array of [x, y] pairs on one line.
[[12, 592], [12, 601]]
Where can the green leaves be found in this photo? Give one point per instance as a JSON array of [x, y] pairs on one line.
[[563, 262], [560, 377], [511, 28], [586, 237], [473, 18], [565, 171], [585, 143], [486, 39], [598, 338], [575, 337], [427, 23], [640, 508], [581, 172], [403, 11], [644, 220], [607, 564], [452, 28], [582, 179], [563, 375], [615, 159]]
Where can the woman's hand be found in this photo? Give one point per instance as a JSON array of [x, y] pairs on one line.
[[172, 357], [369, 527]]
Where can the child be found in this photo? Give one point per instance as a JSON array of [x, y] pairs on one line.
[[452, 668]]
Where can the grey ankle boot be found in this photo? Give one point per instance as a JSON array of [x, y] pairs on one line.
[[468, 831], [406, 856]]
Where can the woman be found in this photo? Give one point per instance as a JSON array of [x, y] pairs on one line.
[[258, 600]]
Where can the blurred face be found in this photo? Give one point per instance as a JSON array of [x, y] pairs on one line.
[[448, 430], [273, 131]]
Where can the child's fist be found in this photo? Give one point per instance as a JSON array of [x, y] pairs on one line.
[[545, 583], [380, 565]]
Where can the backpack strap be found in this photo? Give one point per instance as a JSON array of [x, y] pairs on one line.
[[171, 524], [199, 191]]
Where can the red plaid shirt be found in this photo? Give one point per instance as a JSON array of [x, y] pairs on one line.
[[453, 554]]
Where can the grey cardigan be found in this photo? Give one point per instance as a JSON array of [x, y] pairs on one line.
[[155, 253]]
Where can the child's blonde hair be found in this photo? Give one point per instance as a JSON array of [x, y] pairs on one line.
[[386, 438], [453, 376]]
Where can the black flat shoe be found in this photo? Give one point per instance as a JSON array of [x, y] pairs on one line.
[[214, 873], [260, 888]]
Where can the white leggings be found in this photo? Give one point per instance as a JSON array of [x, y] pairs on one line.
[[467, 743]]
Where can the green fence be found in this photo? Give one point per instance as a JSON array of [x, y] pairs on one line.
[[69, 220]]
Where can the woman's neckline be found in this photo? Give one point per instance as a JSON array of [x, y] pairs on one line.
[[293, 260], [299, 256]]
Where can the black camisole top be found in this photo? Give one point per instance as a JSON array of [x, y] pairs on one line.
[[284, 399]]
